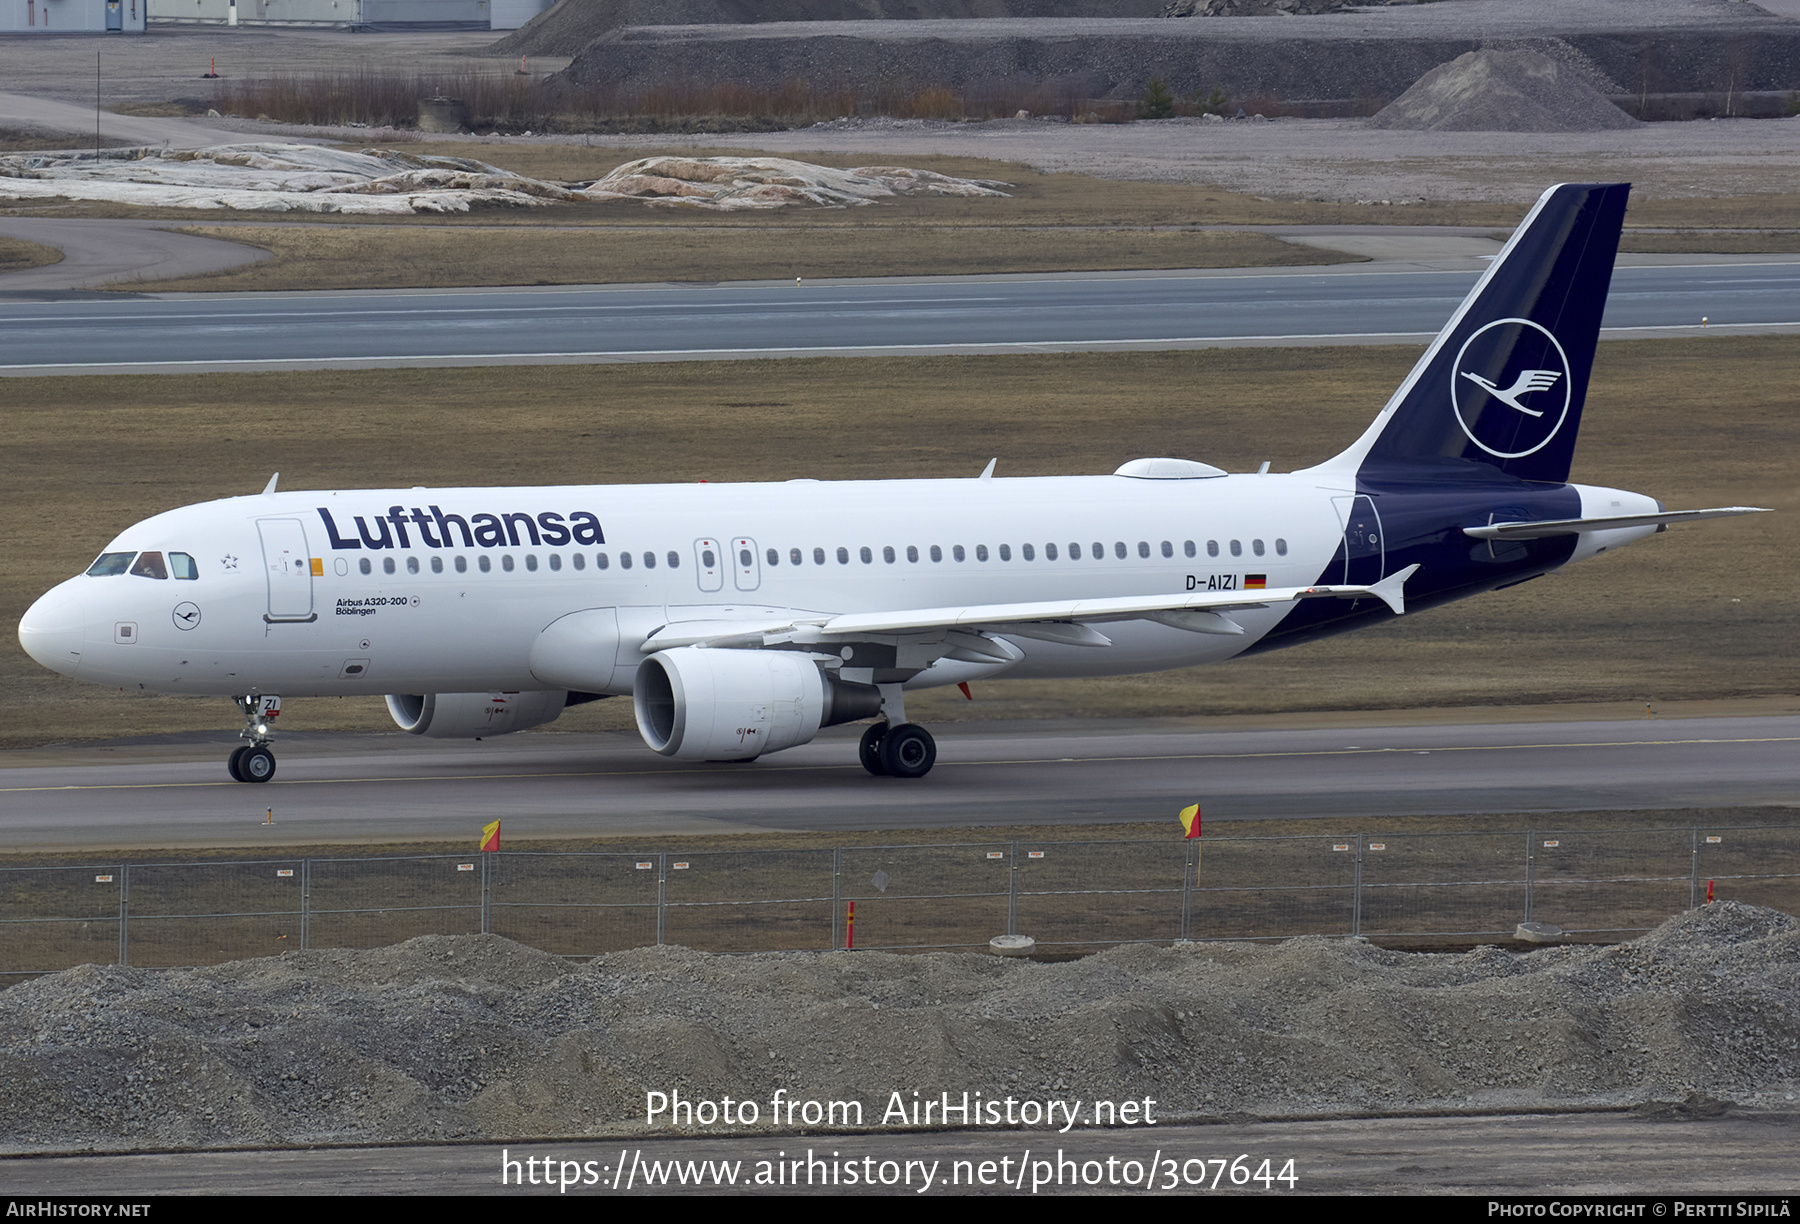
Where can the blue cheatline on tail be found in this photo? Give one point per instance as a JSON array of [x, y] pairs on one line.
[[1503, 384]]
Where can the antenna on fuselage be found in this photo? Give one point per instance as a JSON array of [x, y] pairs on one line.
[[270, 487], [987, 473]]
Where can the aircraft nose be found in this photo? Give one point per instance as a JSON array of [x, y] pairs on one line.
[[52, 629]]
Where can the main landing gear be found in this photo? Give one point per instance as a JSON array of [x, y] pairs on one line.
[[253, 761], [905, 751]]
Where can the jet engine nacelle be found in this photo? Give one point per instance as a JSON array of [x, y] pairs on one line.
[[473, 715], [697, 704]]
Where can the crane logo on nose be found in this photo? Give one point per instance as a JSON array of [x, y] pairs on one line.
[[185, 615]]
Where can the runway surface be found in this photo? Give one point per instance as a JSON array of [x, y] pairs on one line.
[[942, 315], [394, 788]]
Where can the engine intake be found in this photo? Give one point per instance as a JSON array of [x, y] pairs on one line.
[[698, 704]]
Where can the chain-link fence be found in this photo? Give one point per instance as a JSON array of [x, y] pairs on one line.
[[1066, 895]]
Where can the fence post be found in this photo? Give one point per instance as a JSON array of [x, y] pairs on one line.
[[1694, 868], [662, 889], [305, 904], [1530, 871], [1356, 891], [485, 893], [837, 898], [1012, 888], [1187, 891], [125, 914], [124, 910]]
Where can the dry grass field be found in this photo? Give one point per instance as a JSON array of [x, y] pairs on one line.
[[391, 257], [17, 254], [1710, 610]]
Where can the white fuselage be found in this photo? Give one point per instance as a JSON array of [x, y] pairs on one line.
[[417, 622]]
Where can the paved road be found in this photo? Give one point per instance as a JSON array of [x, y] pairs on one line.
[[394, 788], [108, 252], [1565, 1154], [661, 322]]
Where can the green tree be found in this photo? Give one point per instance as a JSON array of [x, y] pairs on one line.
[[1158, 102], [1207, 104]]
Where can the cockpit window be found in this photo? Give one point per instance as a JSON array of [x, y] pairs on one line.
[[109, 564], [150, 565], [182, 566]]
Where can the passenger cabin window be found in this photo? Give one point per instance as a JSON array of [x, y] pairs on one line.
[[1237, 549], [482, 561], [183, 567], [600, 561], [412, 565], [108, 564], [555, 562], [1280, 548], [579, 561], [437, 565], [1212, 548], [506, 563], [387, 565], [150, 565], [363, 565], [818, 556]]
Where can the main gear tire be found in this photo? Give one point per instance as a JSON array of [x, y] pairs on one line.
[[870, 749], [908, 751]]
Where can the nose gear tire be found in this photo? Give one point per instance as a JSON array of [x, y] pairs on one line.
[[256, 765]]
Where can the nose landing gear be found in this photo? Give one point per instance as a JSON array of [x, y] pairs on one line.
[[253, 761]]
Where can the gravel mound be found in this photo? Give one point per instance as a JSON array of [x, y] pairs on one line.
[[570, 25], [1504, 91], [478, 1037]]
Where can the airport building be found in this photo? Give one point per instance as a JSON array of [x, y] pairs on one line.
[[72, 16], [341, 14]]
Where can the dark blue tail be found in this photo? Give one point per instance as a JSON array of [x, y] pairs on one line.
[[1503, 383]]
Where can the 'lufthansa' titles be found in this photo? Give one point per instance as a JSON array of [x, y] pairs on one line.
[[436, 529]]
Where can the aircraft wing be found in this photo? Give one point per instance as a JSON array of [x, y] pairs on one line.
[[1556, 527], [1055, 620]]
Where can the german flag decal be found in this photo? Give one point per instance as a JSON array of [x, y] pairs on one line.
[[1256, 582]]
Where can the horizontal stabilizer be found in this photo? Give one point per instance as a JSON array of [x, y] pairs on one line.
[[1557, 527]]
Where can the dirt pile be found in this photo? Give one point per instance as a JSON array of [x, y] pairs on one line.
[[1493, 90], [273, 177], [736, 183], [475, 1036], [570, 25]]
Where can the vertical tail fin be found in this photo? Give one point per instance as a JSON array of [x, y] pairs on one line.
[[1504, 382]]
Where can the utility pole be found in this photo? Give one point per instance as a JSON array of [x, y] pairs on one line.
[[96, 107]]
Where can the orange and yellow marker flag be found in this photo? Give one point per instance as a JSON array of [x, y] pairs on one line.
[[1190, 821], [490, 836]]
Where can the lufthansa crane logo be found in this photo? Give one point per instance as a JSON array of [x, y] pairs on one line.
[[1511, 388]]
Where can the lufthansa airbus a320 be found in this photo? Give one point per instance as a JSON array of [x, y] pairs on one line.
[[742, 618]]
